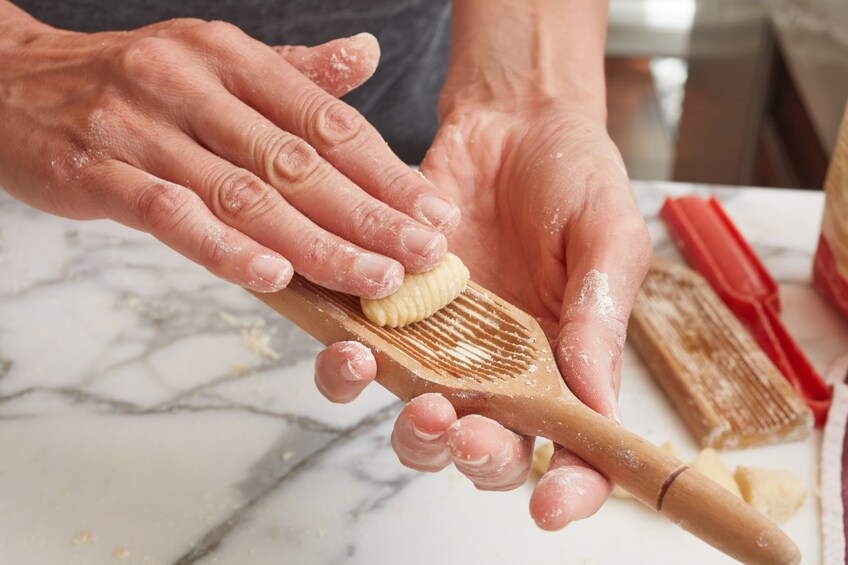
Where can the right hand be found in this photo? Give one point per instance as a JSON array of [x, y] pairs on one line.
[[235, 154]]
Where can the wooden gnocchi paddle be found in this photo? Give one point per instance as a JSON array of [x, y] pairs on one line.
[[488, 357]]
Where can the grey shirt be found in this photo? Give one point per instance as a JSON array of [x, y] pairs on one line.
[[401, 97]]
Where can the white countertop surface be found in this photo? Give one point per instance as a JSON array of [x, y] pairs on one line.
[[150, 413]]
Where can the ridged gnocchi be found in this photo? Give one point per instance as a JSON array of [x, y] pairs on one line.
[[421, 295]]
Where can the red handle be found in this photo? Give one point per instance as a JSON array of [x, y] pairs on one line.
[[787, 356], [714, 247]]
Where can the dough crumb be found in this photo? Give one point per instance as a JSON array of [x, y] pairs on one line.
[[121, 553], [669, 448], [542, 459], [239, 370], [710, 464], [286, 455], [255, 337], [84, 538], [777, 493], [618, 492]]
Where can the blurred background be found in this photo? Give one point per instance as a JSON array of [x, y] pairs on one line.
[[740, 92]]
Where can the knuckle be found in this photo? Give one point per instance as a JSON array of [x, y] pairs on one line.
[[215, 247], [368, 217], [217, 30], [147, 57], [635, 232], [242, 196], [399, 180], [186, 22], [292, 162], [643, 244], [161, 207], [317, 250], [334, 122]]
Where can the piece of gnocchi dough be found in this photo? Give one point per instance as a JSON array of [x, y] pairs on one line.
[[421, 295], [709, 463], [777, 493], [542, 458]]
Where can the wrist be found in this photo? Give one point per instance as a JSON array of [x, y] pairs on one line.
[[513, 55], [518, 94]]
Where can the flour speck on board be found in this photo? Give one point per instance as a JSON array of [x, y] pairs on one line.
[[255, 336], [84, 538]]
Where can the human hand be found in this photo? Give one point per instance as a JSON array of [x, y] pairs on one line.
[[233, 153], [549, 224]]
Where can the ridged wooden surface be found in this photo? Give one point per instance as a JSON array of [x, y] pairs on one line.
[[723, 385], [469, 339], [835, 225]]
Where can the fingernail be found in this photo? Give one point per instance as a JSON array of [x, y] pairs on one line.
[[274, 270], [475, 462], [437, 212], [422, 242], [378, 270], [349, 373], [424, 435]]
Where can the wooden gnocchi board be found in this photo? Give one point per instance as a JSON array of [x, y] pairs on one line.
[[723, 385]]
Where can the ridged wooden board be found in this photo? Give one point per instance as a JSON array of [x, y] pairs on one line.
[[723, 385], [490, 358]]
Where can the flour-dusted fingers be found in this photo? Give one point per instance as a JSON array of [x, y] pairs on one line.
[[244, 201], [418, 437], [569, 491], [607, 263], [338, 66], [311, 184], [343, 370], [491, 456], [336, 130], [177, 217]]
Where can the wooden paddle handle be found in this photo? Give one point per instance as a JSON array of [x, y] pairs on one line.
[[662, 482]]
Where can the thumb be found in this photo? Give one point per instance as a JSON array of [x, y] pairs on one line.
[[337, 66], [599, 295]]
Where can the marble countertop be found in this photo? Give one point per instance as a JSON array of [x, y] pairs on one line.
[[150, 413]]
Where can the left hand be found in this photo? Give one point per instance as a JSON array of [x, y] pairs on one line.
[[549, 224]]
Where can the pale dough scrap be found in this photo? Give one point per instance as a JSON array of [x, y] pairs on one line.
[[777, 493], [421, 295], [709, 463], [84, 538], [542, 459]]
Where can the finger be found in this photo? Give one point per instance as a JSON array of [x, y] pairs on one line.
[[343, 370], [418, 436], [310, 184], [243, 201], [607, 263], [178, 218], [336, 130], [569, 491], [337, 66], [493, 457]]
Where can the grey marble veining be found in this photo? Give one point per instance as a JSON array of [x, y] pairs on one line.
[[150, 413]]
